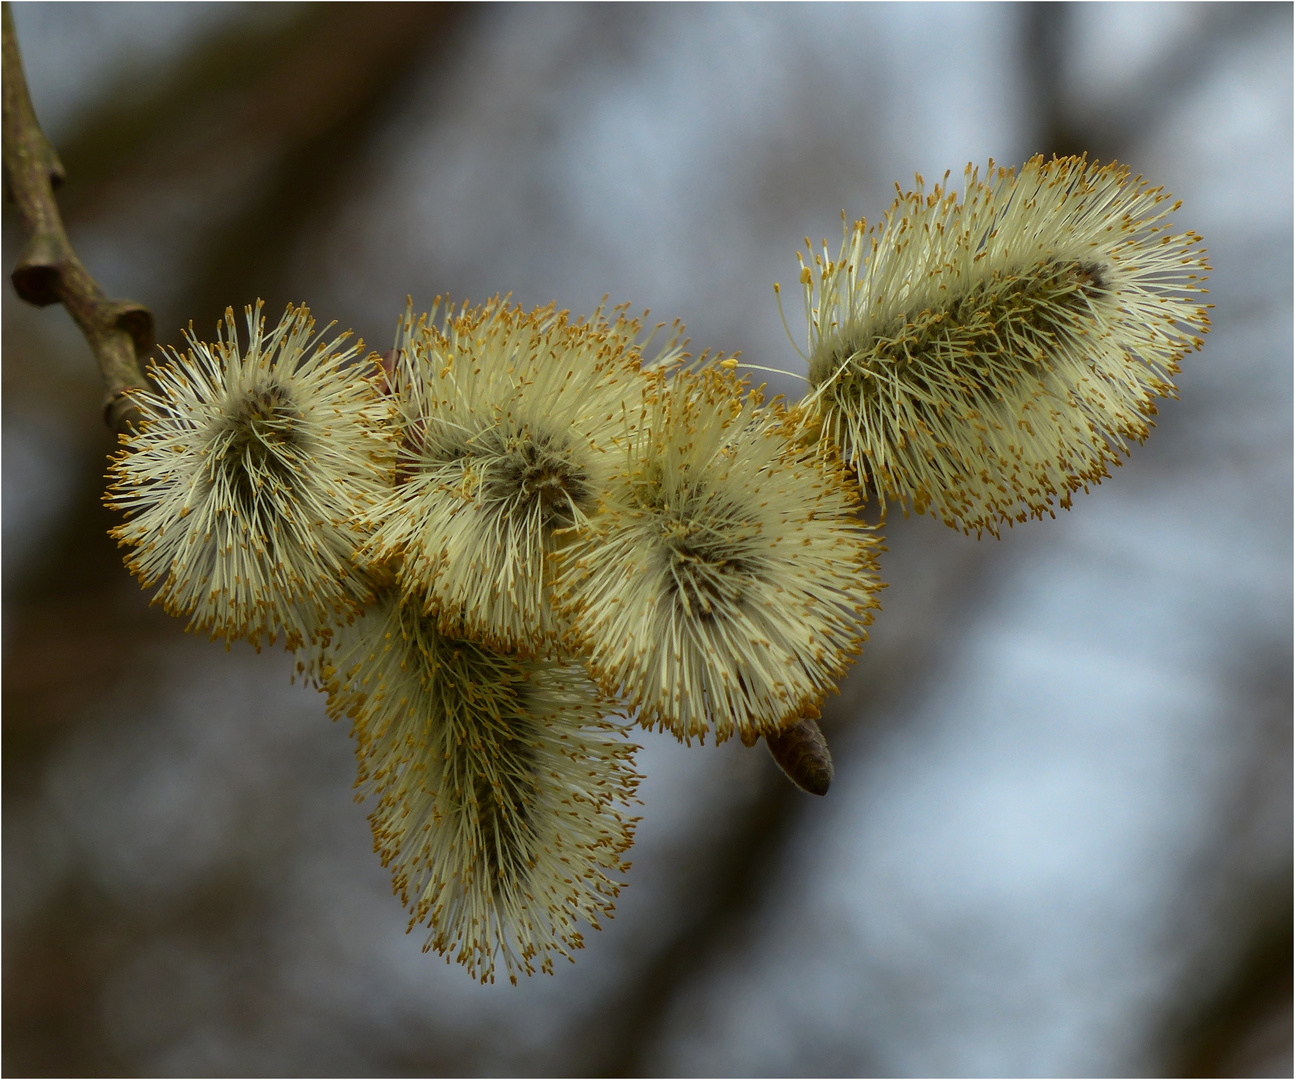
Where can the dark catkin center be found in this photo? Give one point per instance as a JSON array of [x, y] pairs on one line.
[[1001, 328], [505, 795], [1092, 279], [706, 545], [706, 578], [265, 415], [504, 807], [255, 435], [536, 475], [491, 759], [526, 475]]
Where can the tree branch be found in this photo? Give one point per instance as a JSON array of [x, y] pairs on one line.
[[119, 332]]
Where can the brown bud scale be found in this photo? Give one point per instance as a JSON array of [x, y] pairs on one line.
[[801, 752]]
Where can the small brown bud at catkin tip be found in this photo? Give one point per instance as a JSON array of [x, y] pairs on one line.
[[801, 752]]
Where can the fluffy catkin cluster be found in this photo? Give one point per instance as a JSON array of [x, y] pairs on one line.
[[243, 484], [508, 420], [725, 583], [497, 781], [989, 356], [490, 546]]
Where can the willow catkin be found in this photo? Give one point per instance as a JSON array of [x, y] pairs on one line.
[[501, 787], [508, 422], [986, 357], [242, 485], [726, 582]]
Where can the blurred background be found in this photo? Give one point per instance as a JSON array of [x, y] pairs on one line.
[[1059, 840]]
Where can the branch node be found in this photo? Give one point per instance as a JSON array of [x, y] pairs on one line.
[[137, 321], [38, 277], [57, 174], [119, 332]]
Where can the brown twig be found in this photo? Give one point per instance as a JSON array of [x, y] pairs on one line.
[[119, 332]]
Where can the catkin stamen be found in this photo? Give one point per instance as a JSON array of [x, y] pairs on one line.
[[499, 788], [988, 357]]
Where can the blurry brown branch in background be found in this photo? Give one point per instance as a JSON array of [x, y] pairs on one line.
[[119, 332], [1106, 134]]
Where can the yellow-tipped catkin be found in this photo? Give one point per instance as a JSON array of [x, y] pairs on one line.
[[726, 582], [501, 788], [242, 485], [508, 420], [986, 357]]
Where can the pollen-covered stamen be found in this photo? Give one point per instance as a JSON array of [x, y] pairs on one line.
[[724, 584], [242, 485], [499, 788], [510, 420], [989, 356]]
